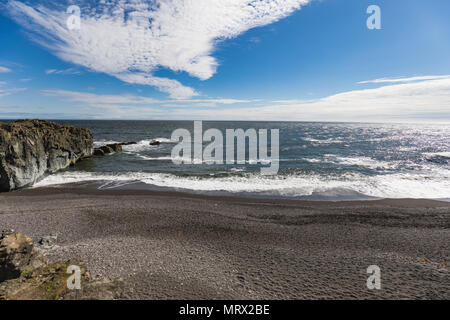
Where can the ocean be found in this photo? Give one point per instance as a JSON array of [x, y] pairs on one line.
[[318, 161]]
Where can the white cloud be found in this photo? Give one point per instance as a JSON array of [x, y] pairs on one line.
[[70, 71], [5, 70], [101, 100], [98, 99], [131, 39], [398, 102], [404, 80], [205, 102], [429, 99], [7, 92]]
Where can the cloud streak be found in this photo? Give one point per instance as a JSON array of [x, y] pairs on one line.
[[398, 102], [133, 39], [5, 70], [7, 92], [70, 71], [100, 100], [428, 99], [404, 80], [92, 98]]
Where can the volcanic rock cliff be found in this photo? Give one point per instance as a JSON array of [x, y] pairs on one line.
[[31, 148]]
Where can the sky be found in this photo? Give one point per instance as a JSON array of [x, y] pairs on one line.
[[287, 60]]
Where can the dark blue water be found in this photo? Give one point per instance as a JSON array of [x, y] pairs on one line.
[[334, 160]]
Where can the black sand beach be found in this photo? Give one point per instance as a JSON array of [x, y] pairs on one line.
[[168, 245]]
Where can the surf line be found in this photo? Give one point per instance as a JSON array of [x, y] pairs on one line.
[[190, 151]]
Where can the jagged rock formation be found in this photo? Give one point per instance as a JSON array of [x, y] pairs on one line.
[[26, 274], [111, 148], [108, 149], [16, 254], [31, 148]]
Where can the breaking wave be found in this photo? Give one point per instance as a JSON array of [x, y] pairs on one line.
[[435, 185]]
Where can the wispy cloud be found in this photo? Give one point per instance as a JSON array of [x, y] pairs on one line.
[[97, 99], [131, 39], [427, 99], [5, 70], [7, 92], [396, 102], [404, 80], [100, 100], [70, 71]]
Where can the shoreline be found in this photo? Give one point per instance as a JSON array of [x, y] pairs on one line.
[[171, 245], [139, 186]]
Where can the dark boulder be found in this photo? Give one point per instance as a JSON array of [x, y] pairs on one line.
[[31, 148], [117, 147], [48, 242], [111, 148], [155, 143], [106, 149], [99, 152]]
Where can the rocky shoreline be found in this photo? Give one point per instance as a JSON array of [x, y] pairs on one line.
[[29, 149]]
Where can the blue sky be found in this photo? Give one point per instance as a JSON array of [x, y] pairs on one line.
[[226, 59]]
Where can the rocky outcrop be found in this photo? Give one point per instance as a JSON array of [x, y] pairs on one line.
[[108, 149], [111, 148], [16, 254], [26, 274], [128, 143], [31, 148], [49, 282], [155, 143]]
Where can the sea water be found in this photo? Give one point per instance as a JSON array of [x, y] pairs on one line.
[[334, 161]]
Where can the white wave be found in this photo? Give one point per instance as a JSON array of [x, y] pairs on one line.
[[367, 162], [198, 161], [313, 160], [142, 145], [154, 158], [355, 161], [302, 147], [438, 155], [165, 140], [139, 146], [101, 143], [433, 185], [326, 141]]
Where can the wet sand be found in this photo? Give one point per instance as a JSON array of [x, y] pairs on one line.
[[168, 245]]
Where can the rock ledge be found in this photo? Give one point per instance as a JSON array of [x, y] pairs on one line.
[[31, 148]]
